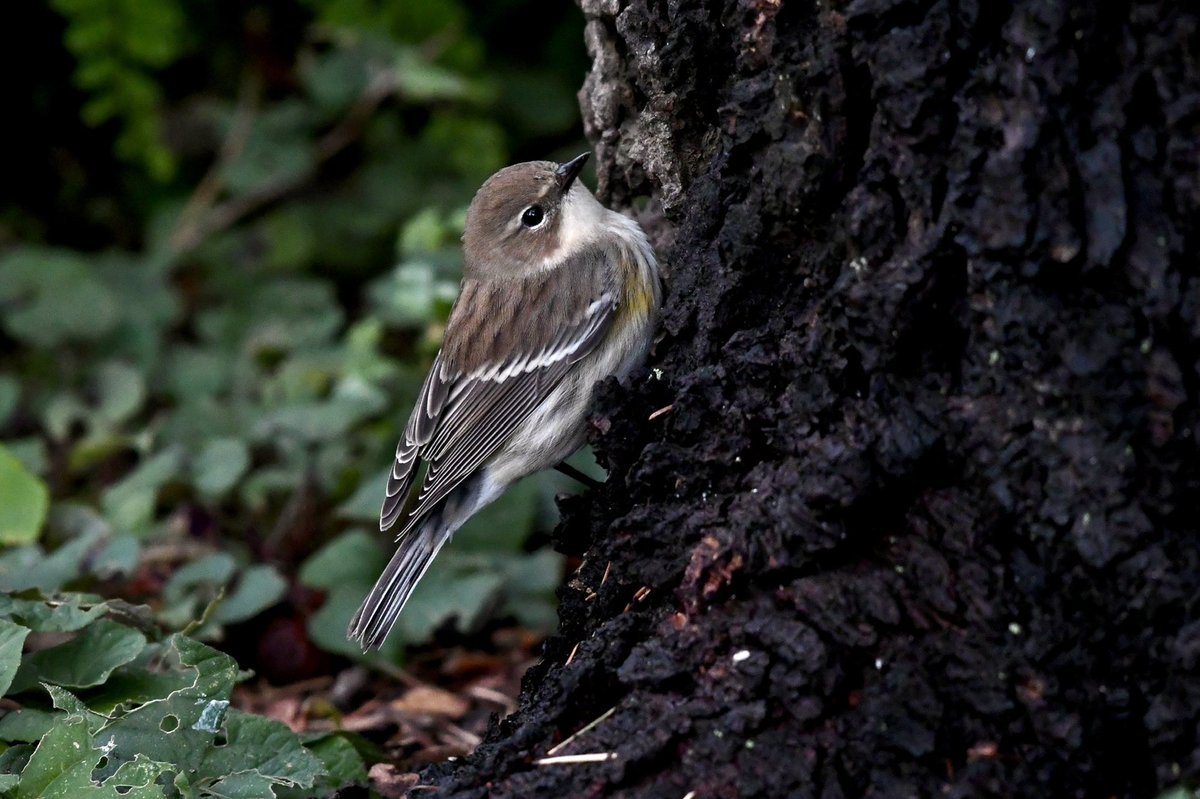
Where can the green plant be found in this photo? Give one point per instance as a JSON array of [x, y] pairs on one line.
[[113, 710], [118, 45], [203, 373]]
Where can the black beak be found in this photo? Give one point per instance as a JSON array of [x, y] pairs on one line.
[[567, 172]]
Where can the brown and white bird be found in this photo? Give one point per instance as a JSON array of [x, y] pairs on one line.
[[558, 293]]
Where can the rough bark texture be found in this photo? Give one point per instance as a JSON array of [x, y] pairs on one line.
[[922, 519]]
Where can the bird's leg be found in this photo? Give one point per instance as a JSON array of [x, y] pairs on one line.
[[572, 472]]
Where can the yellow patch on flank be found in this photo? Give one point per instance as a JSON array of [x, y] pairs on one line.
[[638, 299], [639, 293]]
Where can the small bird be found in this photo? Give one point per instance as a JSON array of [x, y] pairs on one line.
[[558, 292]]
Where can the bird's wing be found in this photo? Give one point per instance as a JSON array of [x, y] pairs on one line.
[[497, 365]]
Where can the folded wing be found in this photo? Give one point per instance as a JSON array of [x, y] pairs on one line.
[[495, 368]]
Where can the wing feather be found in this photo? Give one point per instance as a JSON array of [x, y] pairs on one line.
[[463, 414], [430, 401]]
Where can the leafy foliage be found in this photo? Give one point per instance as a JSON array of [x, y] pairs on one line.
[[110, 713], [203, 376], [118, 43], [23, 500]]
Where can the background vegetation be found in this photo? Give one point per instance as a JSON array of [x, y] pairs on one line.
[[227, 248]]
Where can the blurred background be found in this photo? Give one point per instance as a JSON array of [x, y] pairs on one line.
[[229, 239]]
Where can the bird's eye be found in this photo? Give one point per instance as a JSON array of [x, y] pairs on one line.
[[532, 216]]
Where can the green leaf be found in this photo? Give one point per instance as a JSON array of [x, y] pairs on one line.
[[473, 145], [30, 451], [196, 374], [28, 567], [258, 588], [337, 78], [363, 357], [345, 559], [12, 638], [407, 299], [27, 724], [40, 284], [179, 728], [60, 758], [281, 316], [137, 779], [122, 391], [61, 413], [129, 505], [23, 501], [504, 525], [365, 502], [252, 754], [75, 519], [262, 747], [345, 569], [74, 612], [10, 395], [85, 660], [247, 785], [70, 704], [414, 293], [118, 557], [309, 421], [422, 81], [529, 585], [556, 109], [292, 234], [278, 149], [148, 303], [193, 586], [14, 758], [1178, 792], [343, 766], [220, 465], [425, 232], [98, 446], [143, 679], [445, 593], [216, 569]]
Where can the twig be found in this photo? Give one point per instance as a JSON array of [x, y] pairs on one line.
[[235, 209], [491, 695], [575, 474], [468, 739], [660, 412], [185, 235], [590, 726], [597, 757]]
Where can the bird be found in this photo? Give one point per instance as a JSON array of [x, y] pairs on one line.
[[558, 293]]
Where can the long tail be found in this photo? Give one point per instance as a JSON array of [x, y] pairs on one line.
[[415, 552]]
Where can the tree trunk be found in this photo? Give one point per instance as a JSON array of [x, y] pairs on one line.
[[920, 515]]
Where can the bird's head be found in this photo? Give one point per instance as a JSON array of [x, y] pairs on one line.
[[529, 217]]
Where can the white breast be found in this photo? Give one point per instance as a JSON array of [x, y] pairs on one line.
[[557, 428]]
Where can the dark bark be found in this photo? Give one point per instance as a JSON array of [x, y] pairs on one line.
[[922, 518]]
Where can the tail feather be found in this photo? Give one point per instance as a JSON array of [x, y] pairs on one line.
[[416, 547], [379, 611]]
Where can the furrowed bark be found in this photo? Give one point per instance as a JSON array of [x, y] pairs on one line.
[[921, 518]]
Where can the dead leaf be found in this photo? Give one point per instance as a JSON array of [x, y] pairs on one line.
[[426, 700], [391, 782]]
